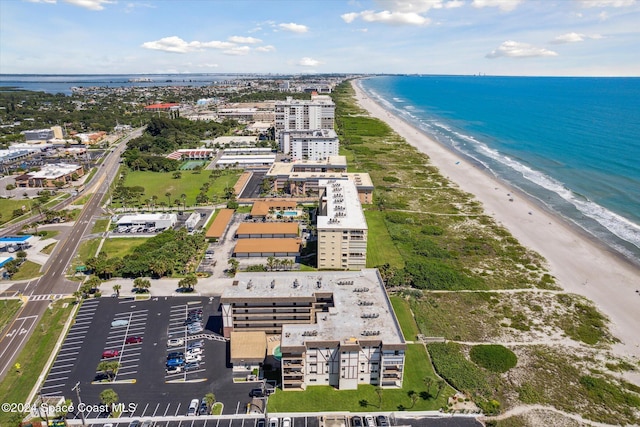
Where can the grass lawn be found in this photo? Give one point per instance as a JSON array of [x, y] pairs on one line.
[[48, 234], [405, 318], [380, 247], [159, 183], [365, 398], [86, 249], [16, 385], [83, 200], [49, 248], [121, 246], [8, 309], [100, 226], [28, 270], [7, 206]]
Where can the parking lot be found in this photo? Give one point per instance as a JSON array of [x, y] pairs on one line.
[[141, 382]]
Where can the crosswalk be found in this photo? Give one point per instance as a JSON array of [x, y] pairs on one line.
[[46, 297]]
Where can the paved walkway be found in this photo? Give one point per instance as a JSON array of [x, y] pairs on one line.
[[208, 286]]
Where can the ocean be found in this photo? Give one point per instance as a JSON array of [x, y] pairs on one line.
[[60, 83], [572, 144]]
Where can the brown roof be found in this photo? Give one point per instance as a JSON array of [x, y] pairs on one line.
[[268, 228], [261, 208], [248, 346], [267, 245], [220, 224]]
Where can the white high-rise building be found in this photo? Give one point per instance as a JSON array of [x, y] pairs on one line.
[[299, 114], [309, 144]]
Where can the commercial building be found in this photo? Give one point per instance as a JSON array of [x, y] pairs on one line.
[[166, 106], [192, 154], [336, 328], [220, 224], [298, 114], [153, 220], [262, 208], [192, 221], [234, 141], [266, 247], [268, 230], [42, 135], [317, 144], [341, 227], [50, 176]]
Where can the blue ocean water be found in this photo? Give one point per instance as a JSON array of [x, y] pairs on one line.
[[571, 143]]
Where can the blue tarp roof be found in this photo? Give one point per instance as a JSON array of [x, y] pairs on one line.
[[15, 239], [5, 260]]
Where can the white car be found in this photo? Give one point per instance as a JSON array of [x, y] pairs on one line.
[[120, 323], [175, 342], [194, 351], [286, 422], [190, 358], [369, 421]]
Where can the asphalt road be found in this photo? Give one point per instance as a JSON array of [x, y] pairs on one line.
[[53, 280]]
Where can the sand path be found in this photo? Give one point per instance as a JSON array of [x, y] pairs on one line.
[[580, 264]]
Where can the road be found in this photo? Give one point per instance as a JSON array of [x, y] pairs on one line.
[[53, 281]]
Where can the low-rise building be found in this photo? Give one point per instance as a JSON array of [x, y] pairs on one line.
[[268, 230], [152, 220], [335, 328], [266, 247], [50, 176]]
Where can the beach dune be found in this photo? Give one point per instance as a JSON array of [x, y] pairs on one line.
[[580, 264]]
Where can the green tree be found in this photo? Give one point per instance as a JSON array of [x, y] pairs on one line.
[[210, 399], [93, 282], [168, 196], [116, 289], [188, 283], [234, 263], [109, 397], [141, 285], [177, 175], [271, 262], [109, 368]]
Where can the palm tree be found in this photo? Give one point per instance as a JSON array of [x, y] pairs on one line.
[[270, 263], [154, 198], [168, 196], [184, 201], [141, 285], [441, 384], [109, 397], [116, 289], [210, 398], [109, 368]]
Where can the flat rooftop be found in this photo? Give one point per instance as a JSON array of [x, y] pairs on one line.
[[219, 224], [343, 208], [362, 310], [268, 228], [268, 245]]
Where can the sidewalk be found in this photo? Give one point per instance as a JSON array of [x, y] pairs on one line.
[[208, 286]]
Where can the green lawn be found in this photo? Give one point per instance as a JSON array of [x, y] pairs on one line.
[[8, 309], [380, 246], [28, 270], [405, 318], [159, 183], [86, 249], [100, 226], [7, 206], [15, 387], [121, 246], [49, 248], [365, 398]]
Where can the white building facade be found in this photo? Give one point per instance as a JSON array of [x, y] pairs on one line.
[[317, 144], [297, 114]]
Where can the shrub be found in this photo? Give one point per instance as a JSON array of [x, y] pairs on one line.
[[493, 357]]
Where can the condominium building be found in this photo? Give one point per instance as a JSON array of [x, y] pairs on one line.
[[341, 227], [317, 144], [335, 328], [298, 114]]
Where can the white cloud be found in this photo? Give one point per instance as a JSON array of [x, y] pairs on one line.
[[87, 4], [209, 65], [294, 28], [505, 5], [309, 62], [238, 51], [175, 44], [246, 40], [267, 48], [574, 38], [607, 3], [418, 6], [512, 49], [387, 17], [90, 4]]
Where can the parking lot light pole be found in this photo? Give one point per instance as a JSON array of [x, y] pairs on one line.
[[77, 389]]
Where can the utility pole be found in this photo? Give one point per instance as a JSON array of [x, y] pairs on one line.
[[46, 413], [77, 389]]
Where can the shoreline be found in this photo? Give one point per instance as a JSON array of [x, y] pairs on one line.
[[580, 264]]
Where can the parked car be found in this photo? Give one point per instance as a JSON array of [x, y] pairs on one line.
[[193, 407], [204, 408], [133, 340], [356, 421], [261, 423], [120, 322], [108, 354], [286, 422], [147, 423], [369, 421], [134, 423], [273, 422], [383, 421], [175, 354], [175, 342], [256, 392], [194, 351], [195, 344], [191, 366], [174, 370], [193, 358], [178, 361]]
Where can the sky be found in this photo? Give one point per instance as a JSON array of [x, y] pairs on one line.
[[494, 37]]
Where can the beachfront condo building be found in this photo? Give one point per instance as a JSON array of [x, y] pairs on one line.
[[302, 114], [341, 227], [319, 144], [332, 328]]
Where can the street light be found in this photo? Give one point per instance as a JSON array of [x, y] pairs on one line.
[[77, 389]]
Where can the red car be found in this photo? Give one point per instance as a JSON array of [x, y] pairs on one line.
[[133, 340], [108, 354]]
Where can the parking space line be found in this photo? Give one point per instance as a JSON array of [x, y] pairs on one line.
[[69, 353], [56, 366], [155, 410], [166, 410], [144, 410], [60, 372], [177, 409]]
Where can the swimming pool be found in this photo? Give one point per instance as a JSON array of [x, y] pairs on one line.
[[290, 213]]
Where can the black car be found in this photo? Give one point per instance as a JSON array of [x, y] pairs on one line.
[[261, 423], [356, 421], [382, 420], [257, 392], [175, 355], [204, 408], [191, 320]]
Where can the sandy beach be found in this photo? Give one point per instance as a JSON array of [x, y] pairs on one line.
[[579, 264]]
